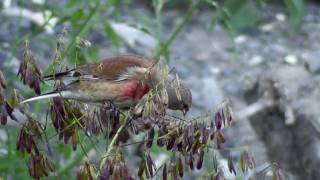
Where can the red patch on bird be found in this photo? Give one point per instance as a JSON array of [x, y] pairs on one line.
[[136, 90]]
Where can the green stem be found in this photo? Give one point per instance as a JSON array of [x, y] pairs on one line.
[[78, 33], [72, 162], [186, 19], [110, 147]]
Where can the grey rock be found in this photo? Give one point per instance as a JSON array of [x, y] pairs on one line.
[[206, 91], [312, 61]]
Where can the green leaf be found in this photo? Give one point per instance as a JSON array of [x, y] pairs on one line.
[[296, 10], [111, 34], [93, 54], [236, 14]]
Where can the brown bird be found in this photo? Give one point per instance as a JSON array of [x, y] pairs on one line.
[[123, 80]]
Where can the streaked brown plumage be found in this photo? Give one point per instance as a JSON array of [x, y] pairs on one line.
[[124, 80]]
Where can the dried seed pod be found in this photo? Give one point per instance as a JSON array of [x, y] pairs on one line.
[[142, 167], [39, 166], [220, 175], [231, 166], [218, 120], [220, 139], [85, 172], [215, 163], [93, 123], [277, 174], [200, 160], [5, 111], [164, 172], [29, 71], [162, 131], [180, 167], [26, 138], [150, 138], [75, 140], [246, 161], [171, 142], [82, 43], [58, 114], [190, 161], [107, 170], [150, 165], [3, 83]]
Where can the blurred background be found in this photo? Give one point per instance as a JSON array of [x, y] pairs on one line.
[[261, 55]]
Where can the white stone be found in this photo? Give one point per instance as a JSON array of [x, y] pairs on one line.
[[291, 59], [280, 17], [267, 27], [255, 60], [240, 39]]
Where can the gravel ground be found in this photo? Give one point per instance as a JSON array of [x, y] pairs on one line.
[[217, 66]]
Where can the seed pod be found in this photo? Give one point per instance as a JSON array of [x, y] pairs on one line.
[[180, 167], [171, 142], [3, 83], [141, 169], [200, 160], [218, 120], [164, 172], [150, 165], [220, 139], [231, 166], [190, 162], [150, 138]]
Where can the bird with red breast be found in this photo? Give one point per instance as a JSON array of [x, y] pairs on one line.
[[123, 80]]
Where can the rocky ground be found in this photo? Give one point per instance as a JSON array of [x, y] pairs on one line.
[[217, 66]]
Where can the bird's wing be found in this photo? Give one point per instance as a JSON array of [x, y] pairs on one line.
[[115, 68]]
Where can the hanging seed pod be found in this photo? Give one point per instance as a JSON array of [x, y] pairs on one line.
[[277, 174], [246, 161], [142, 167], [218, 120], [150, 165], [171, 142], [180, 167], [39, 166], [200, 160], [190, 161], [215, 162], [29, 71], [85, 172], [164, 172], [3, 83], [150, 138], [220, 175], [220, 139], [231, 166], [108, 169], [5, 112]]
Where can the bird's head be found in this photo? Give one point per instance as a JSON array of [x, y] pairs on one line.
[[180, 98]]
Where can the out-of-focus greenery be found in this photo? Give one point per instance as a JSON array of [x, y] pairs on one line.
[[82, 16]]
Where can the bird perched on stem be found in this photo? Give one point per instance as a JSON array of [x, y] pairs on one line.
[[123, 80]]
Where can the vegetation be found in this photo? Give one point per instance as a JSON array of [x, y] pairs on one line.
[[186, 141]]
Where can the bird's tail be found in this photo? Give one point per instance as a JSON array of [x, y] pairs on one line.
[[58, 76], [43, 96]]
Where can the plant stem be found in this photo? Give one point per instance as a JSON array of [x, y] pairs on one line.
[[186, 19], [74, 160], [78, 33], [110, 147]]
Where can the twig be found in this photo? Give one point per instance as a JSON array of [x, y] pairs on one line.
[[179, 28]]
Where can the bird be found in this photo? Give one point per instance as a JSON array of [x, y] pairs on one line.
[[122, 80]]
